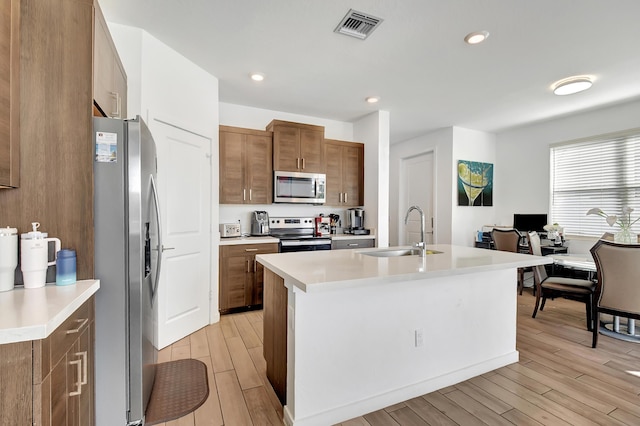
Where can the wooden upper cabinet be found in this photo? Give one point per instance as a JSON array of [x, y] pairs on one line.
[[9, 93], [297, 147], [109, 77], [344, 167], [246, 175]]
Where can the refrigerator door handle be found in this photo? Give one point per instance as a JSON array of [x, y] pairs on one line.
[[154, 287]]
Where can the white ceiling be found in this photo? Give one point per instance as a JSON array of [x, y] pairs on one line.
[[416, 61]]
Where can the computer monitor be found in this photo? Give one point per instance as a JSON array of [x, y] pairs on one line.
[[529, 222]]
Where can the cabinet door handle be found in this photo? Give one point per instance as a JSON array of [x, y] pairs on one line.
[[250, 191], [116, 113], [345, 198], [82, 324], [78, 365], [248, 270], [341, 197], [254, 265], [297, 163], [244, 195], [85, 376], [251, 249], [303, 164]]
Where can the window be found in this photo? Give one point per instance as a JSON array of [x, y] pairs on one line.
[[600, 172]]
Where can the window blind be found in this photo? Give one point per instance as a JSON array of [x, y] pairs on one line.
[[602, 172]]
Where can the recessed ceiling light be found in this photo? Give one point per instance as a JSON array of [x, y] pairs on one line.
[[476, 37], [571, 85], [256, 76], [372, 99]]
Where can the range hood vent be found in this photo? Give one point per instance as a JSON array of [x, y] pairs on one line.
[[357, 24]]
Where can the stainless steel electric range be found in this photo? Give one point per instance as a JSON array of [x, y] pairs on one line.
[[297, 234]]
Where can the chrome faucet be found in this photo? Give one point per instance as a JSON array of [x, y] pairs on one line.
[[422, 244]]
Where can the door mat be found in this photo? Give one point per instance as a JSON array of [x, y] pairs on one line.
[[180, 387]]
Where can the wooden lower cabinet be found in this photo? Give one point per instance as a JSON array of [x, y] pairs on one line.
[[241, 277], [274, 320], [63, 388], [50, 382]]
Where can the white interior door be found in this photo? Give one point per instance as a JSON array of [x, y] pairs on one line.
[[417, 185], [184, 186]]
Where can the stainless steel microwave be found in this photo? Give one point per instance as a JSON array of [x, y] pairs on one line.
[[295, 187]]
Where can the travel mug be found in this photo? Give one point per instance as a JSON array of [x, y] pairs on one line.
[[8, 257], [66, 267], [34, 257]]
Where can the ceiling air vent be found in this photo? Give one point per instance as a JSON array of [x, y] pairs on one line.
[[357, 24]]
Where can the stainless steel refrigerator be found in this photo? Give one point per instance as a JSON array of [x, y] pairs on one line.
[[127, 263]]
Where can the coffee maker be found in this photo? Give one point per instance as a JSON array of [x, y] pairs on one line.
[[355, 222], [259, 223]]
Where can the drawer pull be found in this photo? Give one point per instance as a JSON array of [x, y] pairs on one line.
[[353, 244], [251, 249], [82, 322], [78, 390]]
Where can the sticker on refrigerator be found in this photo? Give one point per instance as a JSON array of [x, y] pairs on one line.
[[106, 147]]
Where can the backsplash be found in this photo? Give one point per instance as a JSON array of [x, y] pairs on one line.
[[231, 213]]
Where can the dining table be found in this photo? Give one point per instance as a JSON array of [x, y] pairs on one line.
[[617, 327]]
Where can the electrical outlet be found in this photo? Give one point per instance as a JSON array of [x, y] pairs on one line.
[[419, 340]]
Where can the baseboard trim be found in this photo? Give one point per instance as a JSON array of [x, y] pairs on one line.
[[377, 402]]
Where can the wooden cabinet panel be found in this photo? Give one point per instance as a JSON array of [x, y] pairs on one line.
[[297, 147], [109, 77], [258, 171], [38, 378], [15, 383], [333, 169], [311, 150], [275, 333], [245, 166], [231, 168], [344, 167], [56, 184], [9, 93], [241, 278], [286, 145]]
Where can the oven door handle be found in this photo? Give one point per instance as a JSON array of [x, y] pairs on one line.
[[290, 243]]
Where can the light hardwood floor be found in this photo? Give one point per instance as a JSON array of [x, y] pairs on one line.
[[559, 380]]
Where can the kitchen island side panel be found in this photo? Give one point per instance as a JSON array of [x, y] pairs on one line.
[[356, 351]]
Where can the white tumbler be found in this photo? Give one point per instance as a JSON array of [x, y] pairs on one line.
[[34, 257], [8, 257]]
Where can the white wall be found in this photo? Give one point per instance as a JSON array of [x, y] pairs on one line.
[[165, 85], [373, 131], [523, 184], [440, 143], [471, 145], [258, 118]]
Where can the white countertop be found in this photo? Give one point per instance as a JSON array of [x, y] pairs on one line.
[[248, 240], [32, 314], [339, 269]]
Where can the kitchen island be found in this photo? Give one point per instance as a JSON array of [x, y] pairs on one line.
[[349, 332]]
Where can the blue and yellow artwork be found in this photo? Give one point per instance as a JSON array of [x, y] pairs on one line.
[[475, 183]]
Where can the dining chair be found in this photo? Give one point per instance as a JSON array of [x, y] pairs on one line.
[[617, 290], [553, 286], [508, 240]]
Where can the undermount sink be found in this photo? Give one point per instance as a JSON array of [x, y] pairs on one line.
[[395, 252]]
